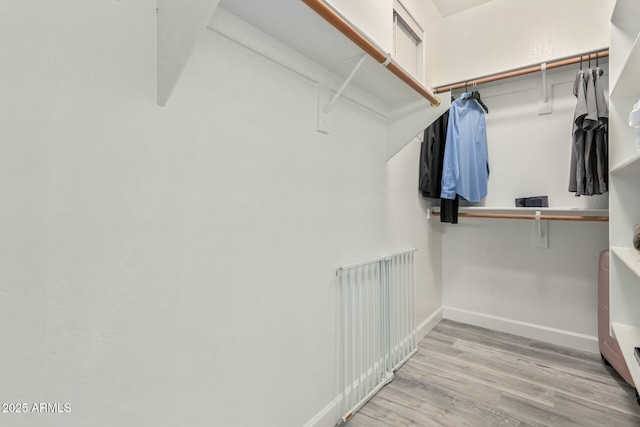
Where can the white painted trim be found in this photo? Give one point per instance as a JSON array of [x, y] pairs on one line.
[[327, 417], [529, 330], [428, 324]]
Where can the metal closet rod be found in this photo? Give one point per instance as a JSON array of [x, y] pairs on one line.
[[533, 217], [342, 24], [602, 53]]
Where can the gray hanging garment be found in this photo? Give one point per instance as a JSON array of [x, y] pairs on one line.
[[601, 135], [576, 175]]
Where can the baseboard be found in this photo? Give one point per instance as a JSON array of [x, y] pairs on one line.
[[329, 414], [529, 330], [429, 323]]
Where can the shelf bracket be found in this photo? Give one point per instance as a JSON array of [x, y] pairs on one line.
[[544, 105], [540, 232], [323, 90]]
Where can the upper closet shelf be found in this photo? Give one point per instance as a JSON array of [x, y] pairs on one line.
[[296, 25], [630, 166], [627, 84]]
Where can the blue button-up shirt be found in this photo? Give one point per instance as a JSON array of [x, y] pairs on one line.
[[466, 167]]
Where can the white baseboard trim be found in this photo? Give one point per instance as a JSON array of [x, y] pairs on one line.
[[329, 415], [529, 330], [429, 323]]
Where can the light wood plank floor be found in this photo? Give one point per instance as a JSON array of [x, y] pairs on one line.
[[468, 376]]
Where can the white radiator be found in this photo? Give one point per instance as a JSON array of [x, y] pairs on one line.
[[378, 325]]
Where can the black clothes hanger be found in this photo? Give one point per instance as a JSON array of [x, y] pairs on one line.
[[475, 95], [598, 70]]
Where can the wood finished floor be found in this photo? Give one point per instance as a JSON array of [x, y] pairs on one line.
[[463, 375]]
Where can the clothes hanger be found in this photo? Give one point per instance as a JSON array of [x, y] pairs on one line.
[[600, 70], [577, 80], [475, 95]]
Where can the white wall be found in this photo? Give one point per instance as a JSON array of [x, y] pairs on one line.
[[171, 266], [529, 154], [409, 228], [492, 274], [493, 277], [504, 34], [490, 269]]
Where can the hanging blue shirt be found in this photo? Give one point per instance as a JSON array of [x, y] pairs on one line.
[[466, 165]]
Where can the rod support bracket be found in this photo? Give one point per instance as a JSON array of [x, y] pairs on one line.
[[326, 102], [544, 105], [540, 232], [387, 61]]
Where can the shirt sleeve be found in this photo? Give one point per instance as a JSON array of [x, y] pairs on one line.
[[591, 119], [423, 178], [450, 167]]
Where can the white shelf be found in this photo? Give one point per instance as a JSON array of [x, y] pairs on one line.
[[628, 83], [531, 211], [630, 257], [625, 15], [628, 337], [631, 166], [297, 26]]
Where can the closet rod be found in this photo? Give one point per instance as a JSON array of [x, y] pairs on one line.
[[334, 17], [524, 70], [533, 217]]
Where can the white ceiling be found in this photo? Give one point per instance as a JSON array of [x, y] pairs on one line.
[[449, 7]]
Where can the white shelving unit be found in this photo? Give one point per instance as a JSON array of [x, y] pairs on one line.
[[630, 166], [624, 191], [630, 337], [626, 83], [630, 257]]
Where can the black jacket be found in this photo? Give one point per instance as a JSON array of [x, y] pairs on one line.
[[432, 157]]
